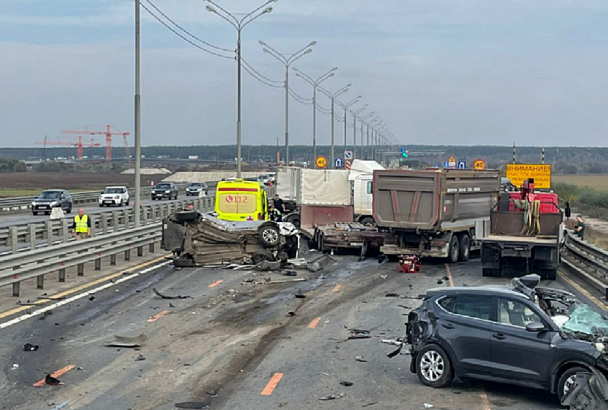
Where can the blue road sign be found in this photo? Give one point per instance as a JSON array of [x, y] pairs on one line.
[[348, 155], [462, 165], [338, 163], [446, 164]]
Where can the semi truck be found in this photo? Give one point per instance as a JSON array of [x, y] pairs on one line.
[[526, 233], [440, 213]]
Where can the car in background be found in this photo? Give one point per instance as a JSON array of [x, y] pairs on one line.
[[114, 195], [164, 190], [195, 188], [263, 179], [518, 334], [52, 198]]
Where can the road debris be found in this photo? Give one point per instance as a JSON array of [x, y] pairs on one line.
[[428, 405], [127, 341], [45, 314], [360, 359], [266, 265], [28, 347], [290, 273], [392, 342], [191, 405], [291, 313], [140, 358], [359, 334], [287, 280], [61, 405], [300, 295], [92, 297], [346, 383], [391, 295], [211, 393], [370, 404], [15, 366], [332, 397], [52, 381], [319, 262], [404, 307], [160, 295]]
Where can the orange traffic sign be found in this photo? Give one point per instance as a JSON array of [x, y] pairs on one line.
[[321, 161], [479, 164]]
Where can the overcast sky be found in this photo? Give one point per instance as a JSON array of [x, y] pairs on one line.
[[465, 72]]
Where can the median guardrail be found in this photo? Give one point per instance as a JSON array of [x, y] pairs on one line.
[[588, 262], [105, 242]]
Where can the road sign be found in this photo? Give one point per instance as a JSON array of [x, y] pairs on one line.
[[347, 164], [541, 173], [446, 164], [462, 165], [479, 164], [321, 161], [348, 155], [338, 163], [404, 152], [452, 162], [452, 159]]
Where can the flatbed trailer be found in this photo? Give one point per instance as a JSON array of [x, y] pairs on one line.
[[352, 235]]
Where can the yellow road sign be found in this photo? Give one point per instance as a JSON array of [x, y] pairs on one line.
[[541, 173], [452, 159], [479, 164], [321, 161]]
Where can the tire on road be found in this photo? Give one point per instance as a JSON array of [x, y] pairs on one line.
[[454, 250], [433, 366]]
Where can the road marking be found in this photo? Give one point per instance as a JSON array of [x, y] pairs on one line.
[[447, 267], [78, 288], [314, 323], [80, 296], [337, 288], [272, 384], [217, 282], [158, 316], [58, 373], [485, 401], [588, 295]]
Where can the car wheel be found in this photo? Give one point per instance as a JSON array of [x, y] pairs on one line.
[[465, 248], [261, 255], [567, 379], [433, 366], [269, 235], [34, 213], [454, 251]]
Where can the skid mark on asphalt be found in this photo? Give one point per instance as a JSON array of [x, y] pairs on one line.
[[447, 268], [158, 316], [337, 288], [217, 282], [272, 384], [58, 373], [314, 323]]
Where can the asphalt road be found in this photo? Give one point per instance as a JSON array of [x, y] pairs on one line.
[[232, 341]]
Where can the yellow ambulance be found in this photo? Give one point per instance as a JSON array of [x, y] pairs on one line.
[[241, 200]]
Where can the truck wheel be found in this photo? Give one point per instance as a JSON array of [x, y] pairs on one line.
[[465, 248], [269, 235], [368, 221], [454, 251], [262, 255]]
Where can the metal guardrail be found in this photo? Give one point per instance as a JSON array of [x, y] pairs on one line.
[[37, 263], [52, 232], [24, 202], [588, 262]]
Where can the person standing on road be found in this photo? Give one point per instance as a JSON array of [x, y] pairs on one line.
[[567, 211], [81, 227], [580, 227], [278, 204]]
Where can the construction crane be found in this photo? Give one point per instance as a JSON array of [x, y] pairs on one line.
[[79, 145], [108, 132]]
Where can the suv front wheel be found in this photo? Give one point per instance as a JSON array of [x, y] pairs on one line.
[[433, 366], [567, 380]]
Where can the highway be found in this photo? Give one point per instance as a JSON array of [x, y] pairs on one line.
[[240, 342]]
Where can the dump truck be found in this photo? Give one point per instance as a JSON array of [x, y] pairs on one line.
[[439, 213], [525, 236]]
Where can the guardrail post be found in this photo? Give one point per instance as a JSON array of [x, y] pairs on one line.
[[140, 251], [151, 248], [113, 259], [125, 218], [81, 269], [49, 232], [62, 275], [65, 228], [16, 289], [115, 222], [144, 219], [98, 263], [104, 223], [32, 229], [93, 219], [128, 255], [14, 239], [40, 282]]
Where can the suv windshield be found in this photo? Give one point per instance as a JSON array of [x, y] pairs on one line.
[[196, 185], [114, 190], [50, 195], [163, 186]]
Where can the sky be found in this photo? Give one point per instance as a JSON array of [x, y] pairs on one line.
[[457, 72]]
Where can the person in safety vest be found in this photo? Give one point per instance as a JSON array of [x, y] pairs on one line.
[[81, 227], [275, 214]]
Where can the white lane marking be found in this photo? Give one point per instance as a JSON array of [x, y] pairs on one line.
[[80, 296]]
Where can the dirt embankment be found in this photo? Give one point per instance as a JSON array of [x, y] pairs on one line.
[[69, 180]]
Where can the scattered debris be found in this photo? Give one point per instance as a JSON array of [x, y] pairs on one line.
[[291, 313], [332, 397], [287, 280], [391, 295], [92, 297], [51, 297], [326, 322], [126, 341], [61, 405], [427, 405], [80, 368], [15, 366], [384, 276], [360, 359], [319, 262], [211, 393], [52, 381], [359, 334], [446, 278], [191, 405], [297, 263], [346, 383], [140, 358], [28, 347], [28, 303], [440, 282], [392, 342], [45, 314], [404, 307], [171, 305], [267, 265], [160, 295], [370, 404], [290, 273], [300, 295]]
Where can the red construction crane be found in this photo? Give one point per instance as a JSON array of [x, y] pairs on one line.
[[79, 145], [107, 132]]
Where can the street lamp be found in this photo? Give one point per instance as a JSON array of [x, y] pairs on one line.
[[333, 97], [346, 107], [362, 121], [355, 113], [287, 61], [315, 84], [239, 25]]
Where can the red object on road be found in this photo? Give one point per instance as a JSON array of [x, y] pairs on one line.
[[409, 264]]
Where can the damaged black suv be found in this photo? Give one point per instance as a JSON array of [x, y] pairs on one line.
[[518, 333]]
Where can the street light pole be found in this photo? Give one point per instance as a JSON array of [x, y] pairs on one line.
[[287, 61], [346, 107], [315, 84], [333, 97], [137, 125], [355, 128], [362, 122], [239, 25]]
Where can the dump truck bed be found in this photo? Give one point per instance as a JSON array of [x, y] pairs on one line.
[[433, 200]]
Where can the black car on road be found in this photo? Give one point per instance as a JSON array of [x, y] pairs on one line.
[[52, 198], [519, 333], [164, 190]]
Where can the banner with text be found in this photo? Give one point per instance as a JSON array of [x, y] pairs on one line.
[[541, 173]]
